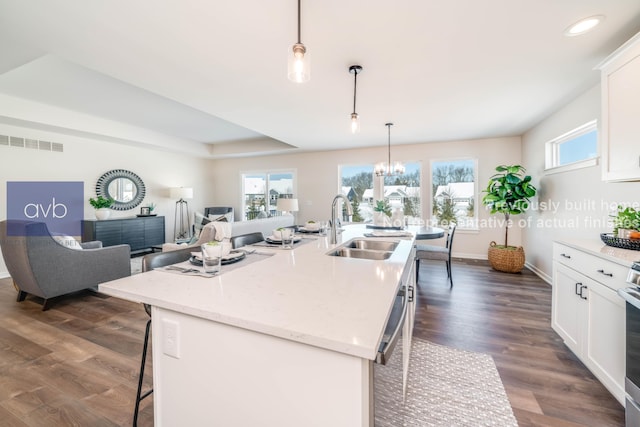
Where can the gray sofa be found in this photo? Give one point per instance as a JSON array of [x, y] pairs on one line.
[[41, 266], [263, 225]]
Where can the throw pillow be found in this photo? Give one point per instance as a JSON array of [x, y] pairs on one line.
[[68, 242], [221, 218]]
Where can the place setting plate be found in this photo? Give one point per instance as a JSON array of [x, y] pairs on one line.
[[278, 241], [308, 230], [232, 257]]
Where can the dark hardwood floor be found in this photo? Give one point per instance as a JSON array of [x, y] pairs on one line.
[[77, 363], [509, 317]]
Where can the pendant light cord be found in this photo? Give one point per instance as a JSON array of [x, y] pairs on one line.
[[299, 22], [389, 149], [355, 84]]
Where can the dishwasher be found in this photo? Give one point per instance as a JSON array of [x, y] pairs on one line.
[[388, 378]]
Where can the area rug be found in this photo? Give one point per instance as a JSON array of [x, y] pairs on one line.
[[446, 387]]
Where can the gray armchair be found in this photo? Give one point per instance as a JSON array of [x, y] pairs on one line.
[[42, 267]]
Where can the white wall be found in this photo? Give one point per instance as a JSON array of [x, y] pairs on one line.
[[86, 160], [318, 180], [218, 183], [581, 197]]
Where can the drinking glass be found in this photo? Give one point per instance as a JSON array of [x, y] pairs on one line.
[[324, 227], [286, 235], [211, 258]]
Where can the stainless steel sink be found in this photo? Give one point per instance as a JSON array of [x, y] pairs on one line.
[[361, 253], [376, 245], [377, 250]]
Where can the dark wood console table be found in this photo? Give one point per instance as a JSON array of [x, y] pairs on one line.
[[141, 233]]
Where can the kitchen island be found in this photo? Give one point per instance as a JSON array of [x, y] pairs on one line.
[[286, 341]]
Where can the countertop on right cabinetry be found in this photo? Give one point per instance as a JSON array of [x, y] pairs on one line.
[[624, 257]]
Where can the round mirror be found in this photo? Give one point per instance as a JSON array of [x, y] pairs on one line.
[[124, 187]]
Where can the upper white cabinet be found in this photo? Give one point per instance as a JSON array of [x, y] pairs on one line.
[[620, 132]]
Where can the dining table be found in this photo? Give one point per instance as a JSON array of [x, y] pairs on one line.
[[425, 232]]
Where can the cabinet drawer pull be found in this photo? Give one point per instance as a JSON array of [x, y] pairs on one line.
[[565, 256], [606, 274], [581, 288], [576, 290]]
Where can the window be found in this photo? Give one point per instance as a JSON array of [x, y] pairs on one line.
[[575, 149], [454, 192], [404, 191], [261, 191], [363, 189], [357, 184]]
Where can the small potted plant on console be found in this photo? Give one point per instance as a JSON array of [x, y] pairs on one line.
[[102, 206]]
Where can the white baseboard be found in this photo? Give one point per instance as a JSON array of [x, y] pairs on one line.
[[468, 256], [4, 274], [541, 274]]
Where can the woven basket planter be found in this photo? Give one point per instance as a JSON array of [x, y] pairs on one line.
[[508, 260]]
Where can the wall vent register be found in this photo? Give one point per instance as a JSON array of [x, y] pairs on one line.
[[28, 143]]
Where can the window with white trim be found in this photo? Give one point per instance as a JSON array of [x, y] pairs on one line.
[[454, 192], [363, 188], [574, 149], [261, 190]]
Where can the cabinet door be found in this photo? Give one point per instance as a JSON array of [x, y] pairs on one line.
[[605, 344], [108, 232], [133, 233], [154, 231], [620, 112], [568, 309]]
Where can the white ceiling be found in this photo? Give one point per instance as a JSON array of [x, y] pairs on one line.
[[214, 72]]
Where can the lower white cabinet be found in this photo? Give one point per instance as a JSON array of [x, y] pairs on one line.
[[590, 316]]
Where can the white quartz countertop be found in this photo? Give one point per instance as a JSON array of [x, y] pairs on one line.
[[596, 247], [340, 304]]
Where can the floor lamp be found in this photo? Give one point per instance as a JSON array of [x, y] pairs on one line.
[[181, 226]]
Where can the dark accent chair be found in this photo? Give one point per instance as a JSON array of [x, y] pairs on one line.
[[149, 262], [41, 266], [219, 210], [246, 239], [439, 253]]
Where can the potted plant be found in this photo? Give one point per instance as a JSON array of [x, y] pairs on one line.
[[508, 193], [101, 205], [381, 213], [626, 221]]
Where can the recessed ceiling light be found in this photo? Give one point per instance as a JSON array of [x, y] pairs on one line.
[[583, 26]]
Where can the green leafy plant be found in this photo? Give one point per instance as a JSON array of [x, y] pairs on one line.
[[382, 206], [470, 208], [355, 206], [447, 212], [100, 202], [627, 218], [151, 206], [508, 193]]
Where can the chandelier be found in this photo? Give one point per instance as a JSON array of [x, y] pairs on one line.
[[389, 169]]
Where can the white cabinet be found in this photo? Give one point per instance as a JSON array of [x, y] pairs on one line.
[[409, 279], [568, 310], [620, 130], [589, 315]]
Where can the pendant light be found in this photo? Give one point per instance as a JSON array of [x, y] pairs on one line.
[[355, 119], [299, 69], [388, 169]]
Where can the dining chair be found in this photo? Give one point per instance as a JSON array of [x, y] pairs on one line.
[[438, 253], [149, 262], [246, 239]]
